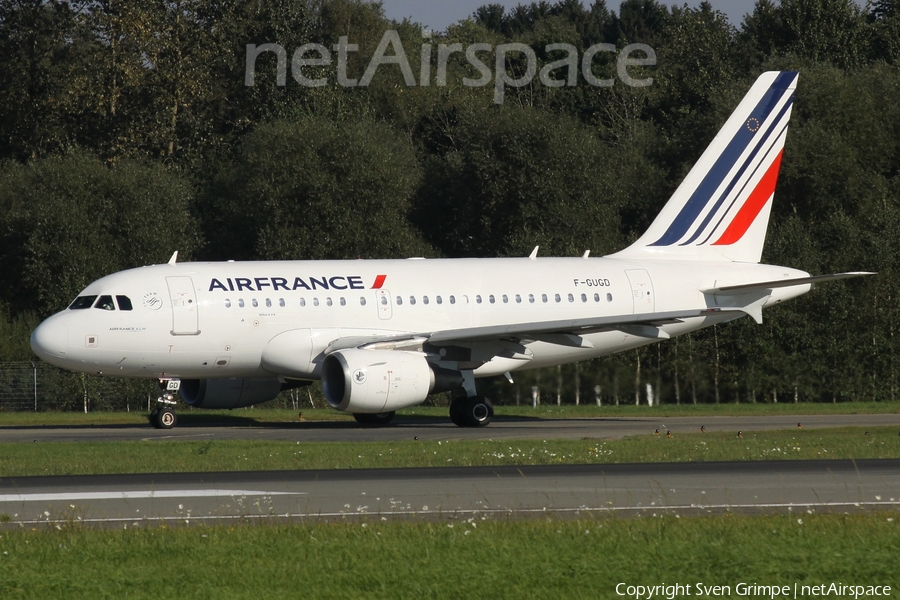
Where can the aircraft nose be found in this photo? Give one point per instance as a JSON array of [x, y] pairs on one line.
[[50, 341]]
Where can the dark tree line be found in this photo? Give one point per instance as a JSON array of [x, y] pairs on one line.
[[127, 132]]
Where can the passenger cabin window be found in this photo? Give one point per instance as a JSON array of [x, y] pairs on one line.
[[268, 303], [478, 299], [439, 300], [399, 301], [240, 303], [609, 297], [302, 301], [505, 298], [255, 303], [531, 298], [424, 299], [558, 299], [343, 301], [491, 298], [281, 302], [596, 297], [124, 302], [328, 301], [571, 298], [544, 298], [518, 299], [584, 297], [82, 302], [105, 303], [452, 299], [362, 300], [412, 299], [315, 301], [227, 303]]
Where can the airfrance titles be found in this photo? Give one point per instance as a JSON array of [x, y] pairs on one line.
[[287, 284]]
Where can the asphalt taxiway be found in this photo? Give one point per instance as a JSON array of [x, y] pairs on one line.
[[433, 429], [452, 493], [448, 493]]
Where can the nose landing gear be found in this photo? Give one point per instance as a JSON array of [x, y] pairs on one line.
[[163, 416]]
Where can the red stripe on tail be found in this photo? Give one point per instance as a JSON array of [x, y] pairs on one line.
[[748, 212]]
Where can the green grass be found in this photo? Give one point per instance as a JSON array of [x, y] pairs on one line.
[[454, 558], [71, 458], [545, 411]]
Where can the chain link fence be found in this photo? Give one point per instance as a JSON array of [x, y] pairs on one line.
[[37, 386]]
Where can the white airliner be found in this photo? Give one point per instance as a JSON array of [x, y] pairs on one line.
[[382, 335]]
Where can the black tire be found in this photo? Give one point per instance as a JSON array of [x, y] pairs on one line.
[[374, 419], [167, 418], [457, 407], [477, 411], [154, 418]]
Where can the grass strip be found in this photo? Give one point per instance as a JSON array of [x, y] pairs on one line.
[[456, 558], [79, 458], [253, 415]]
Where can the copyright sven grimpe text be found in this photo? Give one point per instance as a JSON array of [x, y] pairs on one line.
[[751, 590]]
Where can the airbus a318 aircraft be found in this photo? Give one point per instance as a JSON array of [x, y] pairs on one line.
[[382, 335]]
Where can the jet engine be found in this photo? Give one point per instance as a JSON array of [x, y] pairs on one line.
[[228, 393], [378, 381]]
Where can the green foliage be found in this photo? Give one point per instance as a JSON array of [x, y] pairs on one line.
[[318, 189], [112, 115], [68, 220]]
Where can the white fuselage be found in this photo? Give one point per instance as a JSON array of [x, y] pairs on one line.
[[221, 320]]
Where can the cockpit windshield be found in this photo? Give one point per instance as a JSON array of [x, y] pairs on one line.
[[105, 303], [101, 302], [82, 302]]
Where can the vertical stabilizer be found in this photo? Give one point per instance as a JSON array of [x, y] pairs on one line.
[[721, 209]]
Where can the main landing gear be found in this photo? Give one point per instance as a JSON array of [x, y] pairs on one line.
[[471, 411], [468, 408], [163, 416]]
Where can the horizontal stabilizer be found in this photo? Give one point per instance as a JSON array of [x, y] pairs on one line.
[[768, 285]]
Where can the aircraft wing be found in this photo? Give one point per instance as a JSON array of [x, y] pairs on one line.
[[572, 327], [564, 332]]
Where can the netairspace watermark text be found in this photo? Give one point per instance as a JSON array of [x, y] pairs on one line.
[[569, 66], [751, 590]]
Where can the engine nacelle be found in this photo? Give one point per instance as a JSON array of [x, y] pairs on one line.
[[377, 381], [228, 393]]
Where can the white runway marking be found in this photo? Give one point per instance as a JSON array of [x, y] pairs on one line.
[[138, 494]]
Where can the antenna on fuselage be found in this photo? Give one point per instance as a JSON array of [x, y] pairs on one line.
[[174, 258], [533, 254]]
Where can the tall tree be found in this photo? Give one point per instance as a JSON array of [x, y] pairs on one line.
[[317, 189], [71, 219]]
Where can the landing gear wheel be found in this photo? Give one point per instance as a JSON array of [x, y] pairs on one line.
[[167, 418], [154, 418], [478, 411], [457, 407], [374, 419]]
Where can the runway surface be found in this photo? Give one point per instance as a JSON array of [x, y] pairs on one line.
[[431, 429], [452, 493]]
